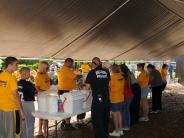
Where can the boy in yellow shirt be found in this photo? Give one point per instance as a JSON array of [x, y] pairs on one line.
[[42, 83], [10, 104], [116, 99]]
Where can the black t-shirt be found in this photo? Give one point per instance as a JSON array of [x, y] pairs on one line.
[[26, 90], [99, 79], [157, 79]]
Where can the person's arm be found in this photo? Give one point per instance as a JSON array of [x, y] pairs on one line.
[[88, 81], [19, 103], [88, 86]]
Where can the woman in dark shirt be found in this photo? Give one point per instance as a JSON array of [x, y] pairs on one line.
[[156, 84]]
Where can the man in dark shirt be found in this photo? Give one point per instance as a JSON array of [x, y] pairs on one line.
[[27, 93], [98, 80], [156, 84]]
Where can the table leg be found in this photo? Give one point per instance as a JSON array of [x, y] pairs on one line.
[[56, 134], [47, 128]]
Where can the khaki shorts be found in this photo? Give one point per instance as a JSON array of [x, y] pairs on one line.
[[10, 124]]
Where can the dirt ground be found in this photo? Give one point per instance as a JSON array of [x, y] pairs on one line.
[[168, 124]]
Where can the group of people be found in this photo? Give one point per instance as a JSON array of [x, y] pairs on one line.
[[117, 91], [17, 96], [114, 90]]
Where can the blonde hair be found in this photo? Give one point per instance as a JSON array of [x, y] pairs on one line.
[[115, 68]]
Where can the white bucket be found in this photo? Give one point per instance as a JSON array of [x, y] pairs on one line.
[[52, 104], [42, 103]]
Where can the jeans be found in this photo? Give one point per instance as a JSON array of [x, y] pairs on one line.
[[126, 113], [157, 98], [135, 104]]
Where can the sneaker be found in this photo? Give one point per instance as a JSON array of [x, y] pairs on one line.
[[69, 127], [114, 134], [154, 112], [126, 129], [143, 119], [121, 132]]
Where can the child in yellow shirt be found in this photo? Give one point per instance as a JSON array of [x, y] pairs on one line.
[[42, 83], [116, 99], [143, 80], [11, 110]]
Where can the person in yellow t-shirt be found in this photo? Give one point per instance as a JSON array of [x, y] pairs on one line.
[[10, 104], [116, 98], [42, 83], [164, 73], [143, 80], [16, 74], [67, 81]]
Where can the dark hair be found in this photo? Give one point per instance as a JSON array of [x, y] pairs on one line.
[[9, 60], [151, 66], [126, 73], [69, 60], [24, 69], [141, 65], [164, 66], [46, 63]]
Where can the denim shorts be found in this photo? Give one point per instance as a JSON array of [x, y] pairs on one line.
[[144, 92], [115, 107]]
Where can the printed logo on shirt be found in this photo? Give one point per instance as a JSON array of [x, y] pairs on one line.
[[101, 74], [3, 83]]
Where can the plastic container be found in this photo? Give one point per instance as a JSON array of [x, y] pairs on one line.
[[52, 104], [87, 98], [73, 102], [42, 103]]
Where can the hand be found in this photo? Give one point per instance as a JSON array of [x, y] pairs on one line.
[[78, 77], [22, 115]]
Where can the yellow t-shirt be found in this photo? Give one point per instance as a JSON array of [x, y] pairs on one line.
[[85, 68], [66, 79], [16, 74], [143, 79], [8, 84], [42, 81], [117, 88], [163, 73]]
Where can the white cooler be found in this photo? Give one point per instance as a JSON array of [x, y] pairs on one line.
[[73, 102]]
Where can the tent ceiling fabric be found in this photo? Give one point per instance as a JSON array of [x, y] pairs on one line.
[[82, 29]]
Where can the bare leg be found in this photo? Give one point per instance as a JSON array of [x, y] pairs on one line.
[[45, 125], [145, 107], [120, 120], [40, 132], [115, 118]]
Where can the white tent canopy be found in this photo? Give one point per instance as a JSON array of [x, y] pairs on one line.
[[82, 29]]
